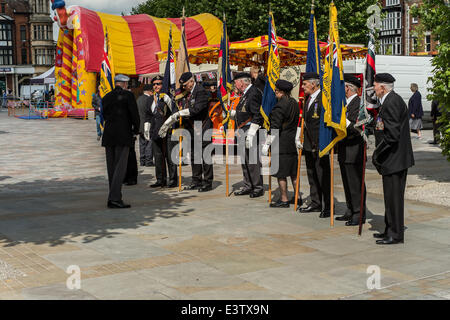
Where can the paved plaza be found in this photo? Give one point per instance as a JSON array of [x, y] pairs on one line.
[[190, 245]]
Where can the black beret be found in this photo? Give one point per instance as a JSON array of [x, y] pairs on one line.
[[283, 85], [208, 84], [242, 75], [310, 76], [158, 77], [384, 77], [148, 87], [185, 77], [352, 79]]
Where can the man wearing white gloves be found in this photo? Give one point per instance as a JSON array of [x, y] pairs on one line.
[[144, 102], [195, 109], [351, 156], [249, 119], [157, 114], [318, 169], [284, 118]]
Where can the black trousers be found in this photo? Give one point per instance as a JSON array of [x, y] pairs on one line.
[[318, 170], [394, 203], [253, 179], [145, 150], [132, 169], [162, 150], [351, 174], [116, 164], [202, 173]]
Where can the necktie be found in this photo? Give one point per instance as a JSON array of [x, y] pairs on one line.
[[307, 103]]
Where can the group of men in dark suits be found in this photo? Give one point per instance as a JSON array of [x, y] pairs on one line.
[[392, 156]]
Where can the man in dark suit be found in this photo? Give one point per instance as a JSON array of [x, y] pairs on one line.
[[318, 169], [435, 114], [197, 122], [392, 157], [351, 156], [121, 123], [145, 145], [157, 114], [248, 118]]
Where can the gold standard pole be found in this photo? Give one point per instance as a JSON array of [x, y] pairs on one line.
[[226, 163], [180, 153], [332, 188], [297, 183]]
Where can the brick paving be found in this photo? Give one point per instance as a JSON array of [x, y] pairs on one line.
[[187, 245]]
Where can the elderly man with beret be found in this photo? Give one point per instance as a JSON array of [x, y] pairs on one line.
[[195, 111], [317, 168], [121, 125], [392, 157], [248, 118], [351, 156]]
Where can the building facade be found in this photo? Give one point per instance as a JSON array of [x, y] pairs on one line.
[[401, 33], [27, 47]]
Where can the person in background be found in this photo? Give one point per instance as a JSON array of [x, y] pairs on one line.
[[144, 102], [97, 105], [435, 114], [258, 79], [415, 110]]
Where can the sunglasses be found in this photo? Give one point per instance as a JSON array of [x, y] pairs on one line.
[[157, 83]]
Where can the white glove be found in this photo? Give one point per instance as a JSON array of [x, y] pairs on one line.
[[147, 131], [233, 114], [266, 146], [298, 143], [347, 122], [171, 120], [250, 135]]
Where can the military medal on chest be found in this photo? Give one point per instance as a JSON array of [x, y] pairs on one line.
[[315, 115]]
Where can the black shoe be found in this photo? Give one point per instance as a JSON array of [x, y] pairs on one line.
[[257, 194], [345, 217], [380, 235], [158, 184], [117, 204], [242, 192], [193, 187], [280, 204], [205, 188], [325, 214], [172, 185], [130, 183], [299, 201], [353, 223], [389, 240], [309, 208]]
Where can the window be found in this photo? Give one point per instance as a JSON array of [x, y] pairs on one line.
[[44, 56], [6, 56], [415, 20], [5, 32], [414, 44], [392, 2], [428, 42], [23, 33], [24, 56], [40, 6], [392, 21], [3, 8]]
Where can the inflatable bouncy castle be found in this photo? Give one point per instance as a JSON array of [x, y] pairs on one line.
[[134, 41]]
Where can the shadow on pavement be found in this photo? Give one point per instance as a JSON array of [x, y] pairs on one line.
[[56, 212]]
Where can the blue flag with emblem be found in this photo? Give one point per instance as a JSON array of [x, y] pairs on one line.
[[333, 116], [273, 74], [168, 86], [224, 80], [313, 56]]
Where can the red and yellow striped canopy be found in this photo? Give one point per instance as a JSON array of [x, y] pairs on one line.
[[135, 39]]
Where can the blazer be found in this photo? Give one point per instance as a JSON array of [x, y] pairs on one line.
[[162, 111], [351, 148], [312, 123], [415, 105], [197, 103], [249, 108], [121, 118], [143, 104], [393, 152], [284, 117]]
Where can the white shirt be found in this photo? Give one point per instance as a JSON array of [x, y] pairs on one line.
[[195, 83], [384, 98], [313, 97], [351, 98]]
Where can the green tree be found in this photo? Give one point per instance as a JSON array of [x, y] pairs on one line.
[[433, 14], [248, 18]]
